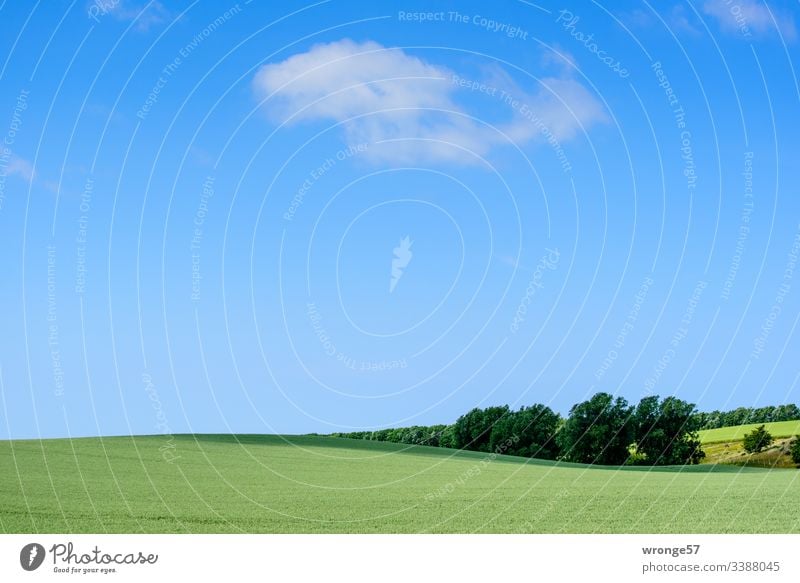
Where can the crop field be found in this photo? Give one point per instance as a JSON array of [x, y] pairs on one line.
[[778, 429], [277, 484]]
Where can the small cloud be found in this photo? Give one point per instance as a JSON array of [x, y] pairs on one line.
[[680, 20], [387, 97], [638, 18], [677, 19], [508, 260], [750, 18], [19, 167], [145, 16], [559, 58], [51, 185]]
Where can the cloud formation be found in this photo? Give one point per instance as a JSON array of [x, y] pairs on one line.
[[750, 18], [408, 107], [19, 167], [146, 15]]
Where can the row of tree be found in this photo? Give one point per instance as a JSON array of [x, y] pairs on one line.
[[746, 415], [415, 435], [604, 430], [601, 430]]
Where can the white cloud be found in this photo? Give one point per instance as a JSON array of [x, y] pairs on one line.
[[680, 20], [146, 15], [637, 18], [558, 58], [409, 107], [750, 18], [677, 19], [19, 167]]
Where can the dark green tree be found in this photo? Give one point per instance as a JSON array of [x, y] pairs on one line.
[[788, 412], [529, 432], [757, 440], [598, 431], [448, 437], [739, 416], [763, 415], [665, 432], [473, 430]]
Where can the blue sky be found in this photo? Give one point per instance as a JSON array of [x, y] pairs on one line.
[[289, 217]]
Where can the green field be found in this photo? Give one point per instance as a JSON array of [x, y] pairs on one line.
[[724, 445], [317, 484], [779, 429]]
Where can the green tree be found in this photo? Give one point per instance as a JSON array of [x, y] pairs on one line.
[[794, 450], [448, 437], [597, 431], [763, 415], [665, 432], [473, 430], [433, 435], [788, 412], [757, 440], [529, 432]]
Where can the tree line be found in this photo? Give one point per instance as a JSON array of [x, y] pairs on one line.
[[747, 415], [602, 430]]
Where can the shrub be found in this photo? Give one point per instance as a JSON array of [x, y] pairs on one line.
[[757, 440]]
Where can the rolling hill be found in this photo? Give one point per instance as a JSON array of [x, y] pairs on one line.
[[305, 484]]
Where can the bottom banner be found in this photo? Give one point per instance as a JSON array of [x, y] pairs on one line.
[[356, 558]]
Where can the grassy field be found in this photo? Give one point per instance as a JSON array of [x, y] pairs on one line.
[[779, 429], [318, 484], [724, 445], [775, 456]]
